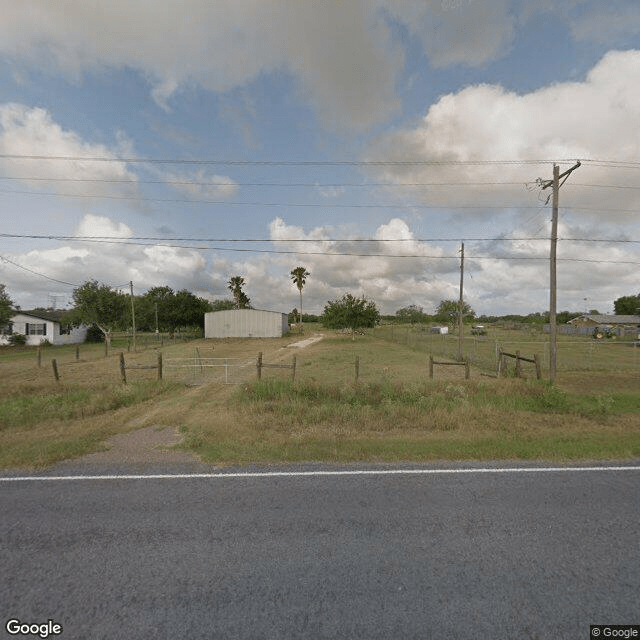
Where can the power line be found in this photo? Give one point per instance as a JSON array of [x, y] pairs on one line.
[[310, 240], [232, 203], [350, 254], [37, 273], [233, 183], [281, 163]]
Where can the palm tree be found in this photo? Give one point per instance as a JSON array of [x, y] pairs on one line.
[[235, 286], [299, 275]]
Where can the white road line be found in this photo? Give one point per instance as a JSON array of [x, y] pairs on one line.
[[298, 474]]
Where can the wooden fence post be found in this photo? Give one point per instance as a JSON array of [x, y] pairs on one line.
[[160, 366], [259, 365], [54, 364], [106, 349], [538, 367], [467, 370], [357, 368], [431, 366], [518, 365], [77, 352], [39, 357], [123, 372], [293, 369]]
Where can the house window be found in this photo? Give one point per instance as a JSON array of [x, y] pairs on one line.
[[36, 329], [65, 329]]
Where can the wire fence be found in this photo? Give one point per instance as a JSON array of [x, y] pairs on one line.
[[574, 353]]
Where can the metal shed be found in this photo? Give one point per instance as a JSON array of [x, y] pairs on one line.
[[245, 323]]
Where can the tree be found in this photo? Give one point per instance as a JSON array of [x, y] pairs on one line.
[[191, 309], [102, 306], [221, 305], [412, 314], [349, 312], [627, 305], [299, 276], [235, 286], [448, 310], [6, 306]]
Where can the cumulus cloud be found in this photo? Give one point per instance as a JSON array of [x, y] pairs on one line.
[[484, 123], [113, 262], [341, 53], [392, 268], [31, 131], [395, 268]]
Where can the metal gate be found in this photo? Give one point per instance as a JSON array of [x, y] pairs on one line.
[[204, 370]]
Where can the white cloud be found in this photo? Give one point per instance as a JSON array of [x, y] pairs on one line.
[[500, 277], [101, 226], [31, 131], [340, 52], [596, 118]]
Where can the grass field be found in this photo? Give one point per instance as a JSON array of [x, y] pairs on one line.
[[394, 412]]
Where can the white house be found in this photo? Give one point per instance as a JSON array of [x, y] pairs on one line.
[[245, 323], [39, 326]]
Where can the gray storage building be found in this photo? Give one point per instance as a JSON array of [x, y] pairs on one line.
[[245, 323]]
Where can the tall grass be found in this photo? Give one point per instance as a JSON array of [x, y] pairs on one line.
[[309, 401], [30, 410]]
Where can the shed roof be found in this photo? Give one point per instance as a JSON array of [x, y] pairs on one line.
[[605, 319]]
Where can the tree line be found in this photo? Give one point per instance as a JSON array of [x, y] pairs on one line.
[[164, 310]]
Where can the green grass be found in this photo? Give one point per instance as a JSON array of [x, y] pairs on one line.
[[280, 421], [30, 410], [394, 413]]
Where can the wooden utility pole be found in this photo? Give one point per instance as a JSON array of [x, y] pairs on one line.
[[461, 308], [553, 285], [553, 330], [133, 316]]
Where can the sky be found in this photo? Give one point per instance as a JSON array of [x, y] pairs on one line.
[[183, 143]]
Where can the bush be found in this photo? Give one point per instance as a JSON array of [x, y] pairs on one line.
[[17, 339]]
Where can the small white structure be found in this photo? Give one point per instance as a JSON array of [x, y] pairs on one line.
[[245, 323], [440, 329], [39, 326]]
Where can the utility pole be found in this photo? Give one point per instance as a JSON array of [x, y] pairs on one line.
[[460, 308], [133, 316], [553, 329]]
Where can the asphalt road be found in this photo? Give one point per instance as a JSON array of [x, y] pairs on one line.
[[473, 555]]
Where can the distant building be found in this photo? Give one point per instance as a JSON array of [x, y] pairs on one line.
[[39, 326], [586, 324], [598, 320], [245, 323]]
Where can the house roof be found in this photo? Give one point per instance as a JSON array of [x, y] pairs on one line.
[[603, 319], [43, 314]]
